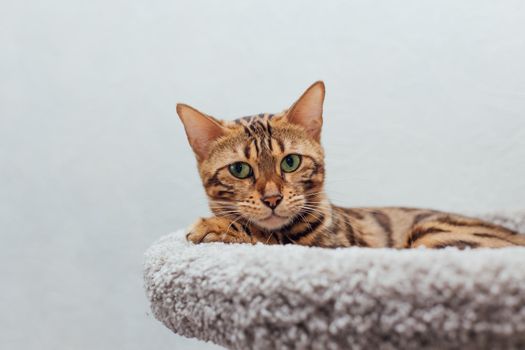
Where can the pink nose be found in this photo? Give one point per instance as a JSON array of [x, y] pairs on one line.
[[272, 201]]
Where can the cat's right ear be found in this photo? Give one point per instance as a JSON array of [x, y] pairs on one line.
[[201, 129]]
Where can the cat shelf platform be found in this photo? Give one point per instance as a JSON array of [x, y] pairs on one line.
[[294, 297]]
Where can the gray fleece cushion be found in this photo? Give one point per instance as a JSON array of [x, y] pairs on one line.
[[294, 297]]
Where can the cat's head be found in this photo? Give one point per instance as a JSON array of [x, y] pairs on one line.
[[267, 168]]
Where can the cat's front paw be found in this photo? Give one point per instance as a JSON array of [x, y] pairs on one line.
[[214, 229]]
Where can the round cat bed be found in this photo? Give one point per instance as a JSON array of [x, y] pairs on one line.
[[294, 297]]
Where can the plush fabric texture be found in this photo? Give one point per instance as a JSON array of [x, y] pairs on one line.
[[293, 297]]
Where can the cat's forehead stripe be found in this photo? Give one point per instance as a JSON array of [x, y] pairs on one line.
[[247, 150], [259, 130], [249, 119]]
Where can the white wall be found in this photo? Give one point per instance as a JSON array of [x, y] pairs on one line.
[[425, 107]]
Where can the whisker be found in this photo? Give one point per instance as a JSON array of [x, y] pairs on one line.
[[231, 223], [316, 215], [269, 237]]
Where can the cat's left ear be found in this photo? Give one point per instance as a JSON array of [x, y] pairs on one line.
[[307, 112]]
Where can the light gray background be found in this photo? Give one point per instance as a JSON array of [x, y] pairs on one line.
[[425, 107]]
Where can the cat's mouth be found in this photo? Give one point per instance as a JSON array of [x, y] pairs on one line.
[[273, 221]]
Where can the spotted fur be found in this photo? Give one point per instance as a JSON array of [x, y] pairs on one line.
[[303, 214]]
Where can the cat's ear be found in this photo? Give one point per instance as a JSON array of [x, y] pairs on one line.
[[201, 129], [307, 111]]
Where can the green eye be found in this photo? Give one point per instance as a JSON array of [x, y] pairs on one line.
[[290, 163], [240, 170]]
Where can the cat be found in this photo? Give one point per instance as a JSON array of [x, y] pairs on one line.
[[264, 176]]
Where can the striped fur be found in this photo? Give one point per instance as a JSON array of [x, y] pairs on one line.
[[304, 214]]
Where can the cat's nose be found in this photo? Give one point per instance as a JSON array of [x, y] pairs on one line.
[[272, 201]]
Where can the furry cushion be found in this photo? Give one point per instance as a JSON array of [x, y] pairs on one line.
[[294, 297]]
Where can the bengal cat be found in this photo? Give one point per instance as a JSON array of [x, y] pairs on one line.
[[264, 175]]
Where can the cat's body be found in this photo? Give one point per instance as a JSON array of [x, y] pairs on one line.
[[393, 227], [264, 177]]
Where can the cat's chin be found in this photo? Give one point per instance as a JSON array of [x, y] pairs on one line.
[[273, 222]]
